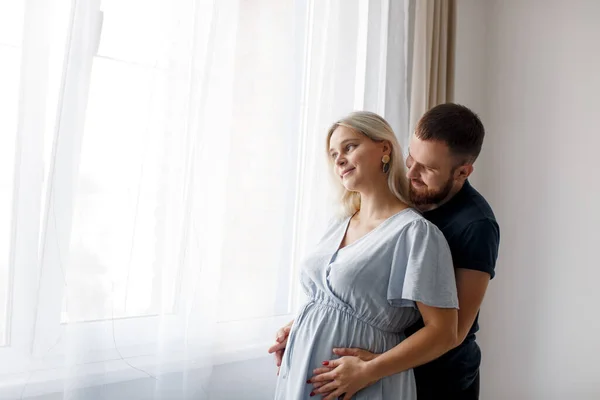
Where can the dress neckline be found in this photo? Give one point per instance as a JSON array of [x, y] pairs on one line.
[[346, 225]]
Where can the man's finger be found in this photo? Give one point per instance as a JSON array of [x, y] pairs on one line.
[[278, 357], [346, 352], [348, 396], [334, 395]]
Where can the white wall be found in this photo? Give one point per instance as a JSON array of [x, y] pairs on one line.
[[532, 70]]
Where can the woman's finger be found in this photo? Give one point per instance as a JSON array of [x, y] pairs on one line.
[[329, 387], [283, 333], [277, 347], [326, 377], [278, 357], [322, 370], [319, 384]]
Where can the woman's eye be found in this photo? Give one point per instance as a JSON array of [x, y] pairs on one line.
[[350, 147]]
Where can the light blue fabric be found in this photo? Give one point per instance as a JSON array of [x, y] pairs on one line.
[[363, 295]]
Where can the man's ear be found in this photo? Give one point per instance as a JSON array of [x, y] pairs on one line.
[[463, 172]]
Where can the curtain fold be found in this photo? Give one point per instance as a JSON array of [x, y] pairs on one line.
[[432, 74]]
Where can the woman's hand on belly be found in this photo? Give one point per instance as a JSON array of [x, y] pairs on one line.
[[344, 376], [364, 355], [281, 339]]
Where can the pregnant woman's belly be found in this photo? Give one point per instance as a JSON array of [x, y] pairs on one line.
[[318, 329]]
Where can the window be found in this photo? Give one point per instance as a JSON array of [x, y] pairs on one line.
[[128, 193], [11, 26], [176, 180], [262, 165]]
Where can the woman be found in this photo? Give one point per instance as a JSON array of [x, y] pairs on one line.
[[372, 275]]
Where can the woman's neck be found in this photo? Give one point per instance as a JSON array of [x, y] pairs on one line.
[[379, 206]]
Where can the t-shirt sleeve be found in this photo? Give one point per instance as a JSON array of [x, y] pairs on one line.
[[477, 247], [422, 269]]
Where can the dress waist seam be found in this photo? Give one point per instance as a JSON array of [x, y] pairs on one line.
[[353, 315]]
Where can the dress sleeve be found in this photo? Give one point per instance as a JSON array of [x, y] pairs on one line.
[[422, 269]]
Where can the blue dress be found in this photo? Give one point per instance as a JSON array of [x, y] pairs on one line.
[[363, 296]]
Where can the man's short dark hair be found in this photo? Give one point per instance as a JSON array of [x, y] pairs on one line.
[[457, 126]]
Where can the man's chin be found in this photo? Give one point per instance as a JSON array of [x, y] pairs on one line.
[[419, 199], [421, 203]]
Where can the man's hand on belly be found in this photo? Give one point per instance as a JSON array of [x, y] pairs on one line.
[[360, 353]]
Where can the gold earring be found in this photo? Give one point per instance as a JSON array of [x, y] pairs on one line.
[[386, 163]]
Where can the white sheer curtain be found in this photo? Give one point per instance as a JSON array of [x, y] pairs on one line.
[[163, 174]]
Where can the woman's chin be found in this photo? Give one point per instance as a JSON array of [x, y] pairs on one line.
[[350, 186]]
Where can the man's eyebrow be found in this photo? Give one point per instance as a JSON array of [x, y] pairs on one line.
[[418, 162]]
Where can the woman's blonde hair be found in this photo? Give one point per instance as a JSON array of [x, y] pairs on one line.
[[377, 129]]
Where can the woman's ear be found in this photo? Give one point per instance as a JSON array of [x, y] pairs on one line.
[[387, 148]]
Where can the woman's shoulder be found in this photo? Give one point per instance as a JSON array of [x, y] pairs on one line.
[[407, 219], [411, 222]]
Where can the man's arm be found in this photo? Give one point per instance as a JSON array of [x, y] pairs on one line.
[[471, 285], [474, 260]]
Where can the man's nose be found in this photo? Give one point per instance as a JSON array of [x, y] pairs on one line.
[[412, 172]]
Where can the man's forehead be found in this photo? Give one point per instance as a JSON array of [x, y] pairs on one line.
[[428, 152]]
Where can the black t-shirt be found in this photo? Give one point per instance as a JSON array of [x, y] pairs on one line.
[[470, 227]]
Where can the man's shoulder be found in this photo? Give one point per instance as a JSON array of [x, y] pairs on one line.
[[474, 237], [469, 209], [472, 213], [475, 207]]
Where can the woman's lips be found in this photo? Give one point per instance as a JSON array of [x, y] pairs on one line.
[[346, 172]]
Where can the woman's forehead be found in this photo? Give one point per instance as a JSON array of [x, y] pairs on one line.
[[342, 133]]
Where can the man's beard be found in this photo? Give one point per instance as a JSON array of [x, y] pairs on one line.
[[428, 196]]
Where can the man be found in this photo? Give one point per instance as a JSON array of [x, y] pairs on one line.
[[446, 143]]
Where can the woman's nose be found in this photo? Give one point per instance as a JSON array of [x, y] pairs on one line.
[[341, 161]]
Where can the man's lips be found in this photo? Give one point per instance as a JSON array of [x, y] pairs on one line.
[[417, 183]]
